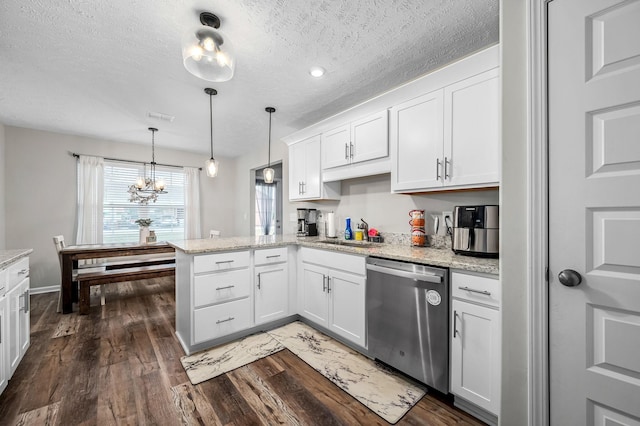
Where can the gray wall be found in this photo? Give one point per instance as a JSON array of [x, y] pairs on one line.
[[514, 263], [2, 187], [40, 195]]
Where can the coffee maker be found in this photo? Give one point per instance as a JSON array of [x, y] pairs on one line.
[[302, 223], [307, 223]]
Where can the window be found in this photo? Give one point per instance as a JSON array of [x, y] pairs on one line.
[[120, 215]]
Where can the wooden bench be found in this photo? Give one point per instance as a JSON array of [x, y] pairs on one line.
[[129, 263], [109, 276]]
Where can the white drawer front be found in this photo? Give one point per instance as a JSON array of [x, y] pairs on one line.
[[476, 289], [346, 262], [17, 272], [267, 256], [220, 261], [221, 286], [219, 320]]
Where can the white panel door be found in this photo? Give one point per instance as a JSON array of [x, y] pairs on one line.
[[471, 130], [335, 147], [315, 300], [370, 137], [271, 292], [417, 142], [594, 172], [347, 315]]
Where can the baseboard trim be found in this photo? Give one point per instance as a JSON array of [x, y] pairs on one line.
[[47, 289]]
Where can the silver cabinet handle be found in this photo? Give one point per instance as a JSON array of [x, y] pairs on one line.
[[224, 261], [259, 280], [225, 287], [23, 271], [346, 151], [350, 150], [455, 324], [225, 320], [303, 185], [437, 169], [27, 301], [328, 284], [446, 172], [473, 290], [324, 285], [272, 256], [299, 188]]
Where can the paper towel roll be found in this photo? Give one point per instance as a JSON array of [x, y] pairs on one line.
[[331, 225]]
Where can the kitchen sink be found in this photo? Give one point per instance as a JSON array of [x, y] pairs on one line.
[[363, 244]]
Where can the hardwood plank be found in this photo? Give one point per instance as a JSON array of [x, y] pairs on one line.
[[228, 404], [117, 402], [193, 406], [46, 415], [67, 325]]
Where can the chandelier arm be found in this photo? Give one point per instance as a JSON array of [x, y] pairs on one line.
[[269, 157], [211, 122]]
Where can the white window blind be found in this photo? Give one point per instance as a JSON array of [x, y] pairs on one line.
[[120, 215]]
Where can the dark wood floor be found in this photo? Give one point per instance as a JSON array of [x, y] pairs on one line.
[[121, 365]]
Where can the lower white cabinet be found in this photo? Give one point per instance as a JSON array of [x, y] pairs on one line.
[[271, 285], [476, 340], [4, 369], [334, 297]]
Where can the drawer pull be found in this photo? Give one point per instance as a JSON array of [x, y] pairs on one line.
[[473, 290], [23, 271], [224, 261], [225, 287], [225, 320], [272, 256], [259, 280]]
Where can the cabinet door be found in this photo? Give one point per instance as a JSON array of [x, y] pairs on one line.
[[475, 355], [312, 181], [335, 147], [347, 293], [15, 298], [417, 142], [315, 305], [271, 292], [370, 137], [4, 344], [471, 135], [25, 318], [297, 156]]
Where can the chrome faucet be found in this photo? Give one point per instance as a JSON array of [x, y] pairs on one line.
[[365, 229]]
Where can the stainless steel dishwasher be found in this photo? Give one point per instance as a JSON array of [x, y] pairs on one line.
[[408, 319]]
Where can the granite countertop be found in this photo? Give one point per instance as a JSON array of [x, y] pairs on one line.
[[7, 257], [442, 257]]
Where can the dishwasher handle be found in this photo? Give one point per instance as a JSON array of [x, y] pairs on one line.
[[428, 277]]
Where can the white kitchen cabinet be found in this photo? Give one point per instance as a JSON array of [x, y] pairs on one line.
[[18, 324], [334, 297], [476, 341], [448, 138], [4, 345], [305, 181], [361, 140], [271, 285]]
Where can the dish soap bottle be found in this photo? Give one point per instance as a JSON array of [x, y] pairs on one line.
[[348, 234]]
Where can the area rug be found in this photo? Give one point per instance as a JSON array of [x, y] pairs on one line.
[[378, 388]]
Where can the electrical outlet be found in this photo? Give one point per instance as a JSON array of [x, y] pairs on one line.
[[443, 223]]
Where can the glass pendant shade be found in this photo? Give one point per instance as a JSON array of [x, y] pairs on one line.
[[211, 166], [268, 175], [208, 54]]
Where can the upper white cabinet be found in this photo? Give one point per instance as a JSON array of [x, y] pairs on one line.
[[305, 181], [449, 137], [361, 140]]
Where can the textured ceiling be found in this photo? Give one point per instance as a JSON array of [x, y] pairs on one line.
[[96, 68]]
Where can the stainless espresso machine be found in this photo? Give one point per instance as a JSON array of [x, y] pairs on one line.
[[302, 223], [307, 223], [476, 230]]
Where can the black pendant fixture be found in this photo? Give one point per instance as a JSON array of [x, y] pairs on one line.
[[269, 173], [211, 165]]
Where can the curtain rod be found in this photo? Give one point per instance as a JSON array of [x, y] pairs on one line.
[[137, 162]]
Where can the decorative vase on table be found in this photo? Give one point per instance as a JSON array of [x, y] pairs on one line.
[[144, 233]]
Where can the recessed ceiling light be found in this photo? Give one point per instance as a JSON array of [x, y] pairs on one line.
[[316, 71]]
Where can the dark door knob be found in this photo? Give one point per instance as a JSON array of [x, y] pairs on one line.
[[569, 278]]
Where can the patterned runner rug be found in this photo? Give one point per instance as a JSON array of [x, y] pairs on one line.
[[381, 390]]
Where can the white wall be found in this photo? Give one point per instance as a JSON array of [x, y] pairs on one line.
[[2, 188], [514, 259], [41, 190]]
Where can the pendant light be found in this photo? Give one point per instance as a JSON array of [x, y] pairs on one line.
[[207, 52], [269, 173], [211, 164], [147, 188]]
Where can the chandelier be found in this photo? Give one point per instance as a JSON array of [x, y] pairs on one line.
[[207, 52], [147, 188]]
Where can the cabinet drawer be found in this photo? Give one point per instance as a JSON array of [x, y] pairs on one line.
[[476, 288], [219, 320], [17, 272], [220, 286], [3, 284], [220, 261], [267, 256], [345, 262]]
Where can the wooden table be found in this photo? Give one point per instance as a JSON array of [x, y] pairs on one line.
[[72, 254]]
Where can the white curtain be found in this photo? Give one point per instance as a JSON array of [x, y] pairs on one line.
[[266, 203], [192, 203], [90, 199]]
